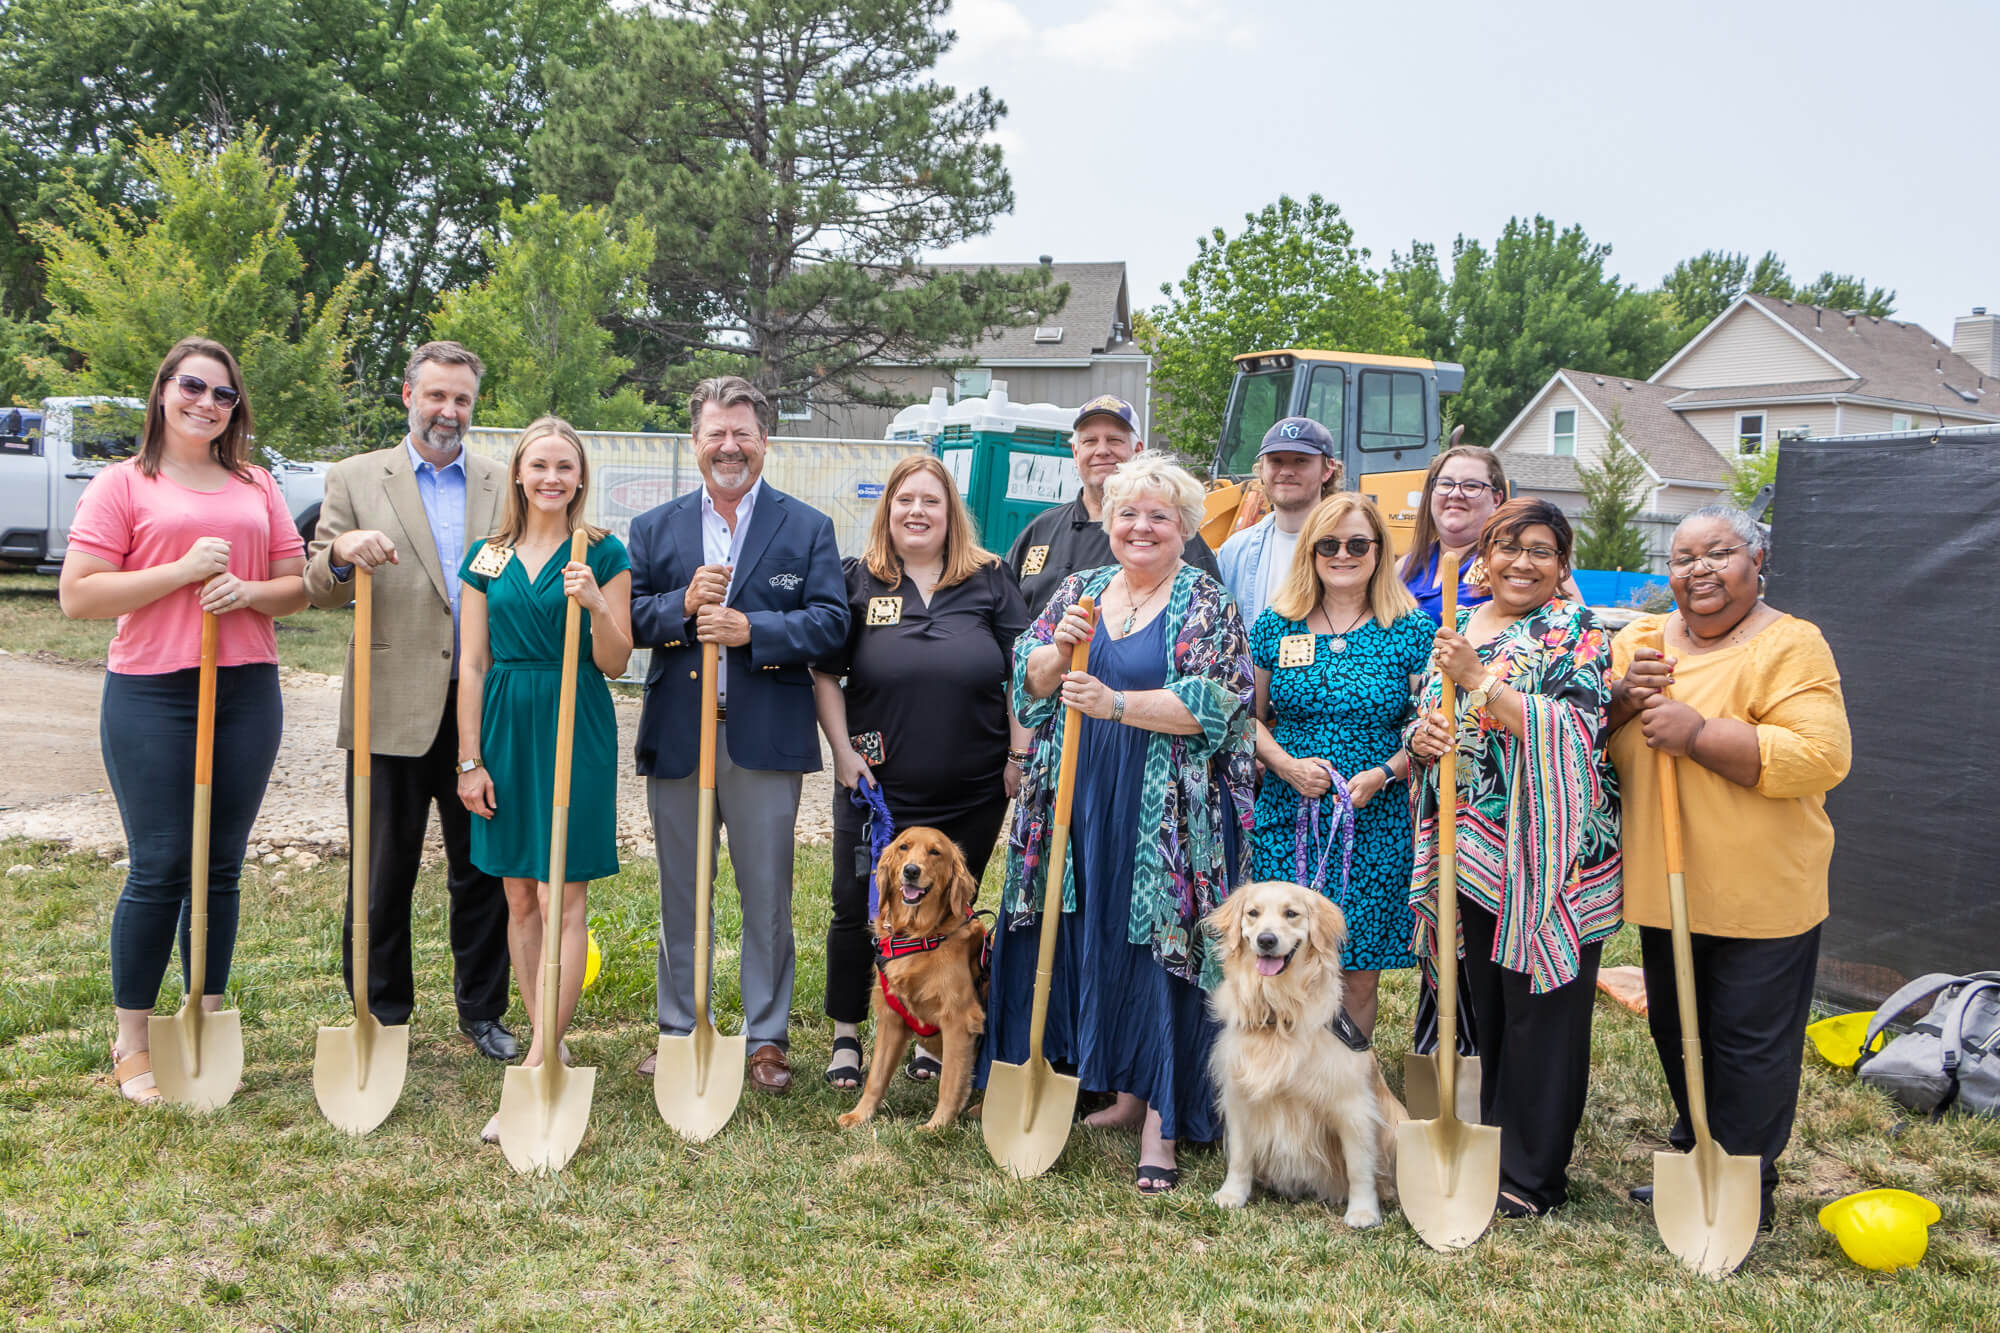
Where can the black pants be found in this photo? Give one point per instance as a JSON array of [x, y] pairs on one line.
[[400, 796], [850, 940], [146, 728], [1534, 1053], [1424, 1037], [1752, 1000]]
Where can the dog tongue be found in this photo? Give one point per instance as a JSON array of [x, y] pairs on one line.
[[1270, 967]]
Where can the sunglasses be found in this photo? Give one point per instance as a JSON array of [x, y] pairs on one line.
[[1329, 547], [192, 387]]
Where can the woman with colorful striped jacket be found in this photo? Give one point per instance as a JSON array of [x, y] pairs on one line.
[[1539, 870]]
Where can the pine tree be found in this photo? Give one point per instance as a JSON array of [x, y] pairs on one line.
[[1613, 495]]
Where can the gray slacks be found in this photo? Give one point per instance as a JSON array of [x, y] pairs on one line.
[[761, 811]]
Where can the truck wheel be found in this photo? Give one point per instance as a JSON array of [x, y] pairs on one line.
[[309, 523]]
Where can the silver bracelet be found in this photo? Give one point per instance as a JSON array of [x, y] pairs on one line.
[[1117, 705]]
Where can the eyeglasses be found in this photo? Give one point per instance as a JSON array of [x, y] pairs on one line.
[[1330, 546], [1541, 555], [1712, 560], [192, 387], [1471, 490]]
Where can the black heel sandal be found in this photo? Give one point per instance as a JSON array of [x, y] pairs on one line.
[[1153, 1180], [847, 1077]]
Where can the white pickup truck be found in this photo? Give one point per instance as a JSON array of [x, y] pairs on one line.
[[49, 454]]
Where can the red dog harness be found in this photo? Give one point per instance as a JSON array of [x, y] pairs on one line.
[[888, 948]]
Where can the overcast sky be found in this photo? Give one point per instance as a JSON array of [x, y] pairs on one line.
[[1846, 136]]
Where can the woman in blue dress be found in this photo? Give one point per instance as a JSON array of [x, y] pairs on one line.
[[516, 588], [1160, 830], [1336, 656]]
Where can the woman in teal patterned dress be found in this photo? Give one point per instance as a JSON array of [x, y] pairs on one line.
[[1336, 655], [516, 588]]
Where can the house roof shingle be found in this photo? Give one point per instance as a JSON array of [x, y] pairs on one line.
[[1097, 307], [1541, 472], [1675, 449]]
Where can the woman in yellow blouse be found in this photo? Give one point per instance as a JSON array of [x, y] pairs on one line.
[[1748, 701]]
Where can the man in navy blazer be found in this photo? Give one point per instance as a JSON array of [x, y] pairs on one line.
[[745, 566]]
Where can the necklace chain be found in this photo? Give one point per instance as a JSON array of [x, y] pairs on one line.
[[1140, 605]]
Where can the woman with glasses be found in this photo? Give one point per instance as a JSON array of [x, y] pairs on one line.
[[1336, 655], [1747, 699], [1538, 852], [185, 527], [1464, 486]]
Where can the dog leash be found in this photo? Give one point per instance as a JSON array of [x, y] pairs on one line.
[[879, 828], [1341, 825]]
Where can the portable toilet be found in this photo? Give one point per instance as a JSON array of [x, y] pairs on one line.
[[1010, 460], [921, 421]]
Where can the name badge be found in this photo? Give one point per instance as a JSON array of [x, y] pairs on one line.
[[491, 562], [885, 611], [1295, 650], [1032, 562]]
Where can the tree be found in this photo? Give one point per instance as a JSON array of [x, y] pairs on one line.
[[212, 258], [535, 319], [1750, 474], [1513, 316], [1293, 277], [1613, 495], [793, 159], [1703, 287]]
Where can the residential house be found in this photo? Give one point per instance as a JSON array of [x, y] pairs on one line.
[[1762, 371], [1067, 358]]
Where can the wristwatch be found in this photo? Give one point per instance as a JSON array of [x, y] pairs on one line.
[[1494, 679], [467, 765]]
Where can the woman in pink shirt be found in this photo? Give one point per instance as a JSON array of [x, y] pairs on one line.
[[188, 525]]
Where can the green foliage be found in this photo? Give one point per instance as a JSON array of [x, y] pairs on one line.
[[1613, 495], [535, 319], [23, 348], [1293, 277], [210, 257], [1703, 287], [792, 157], [1751, 473], [1538, 301]]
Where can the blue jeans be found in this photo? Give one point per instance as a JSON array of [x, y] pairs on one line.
[[147, 728]]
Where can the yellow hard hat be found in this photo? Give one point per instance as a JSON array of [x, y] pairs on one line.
[[593, 960], [1839, 1038], [1881, 1229]]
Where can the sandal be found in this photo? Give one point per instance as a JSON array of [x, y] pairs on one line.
[[922, 1067], [129, 1071], [845, 1077], [1154, 1180], [1513, 1206]]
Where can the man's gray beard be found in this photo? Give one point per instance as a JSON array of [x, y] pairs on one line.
[[428, 436]]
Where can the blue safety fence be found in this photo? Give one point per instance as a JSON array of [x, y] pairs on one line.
[[1614, 587]]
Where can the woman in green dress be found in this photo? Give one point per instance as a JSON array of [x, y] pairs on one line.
[[516, 587]]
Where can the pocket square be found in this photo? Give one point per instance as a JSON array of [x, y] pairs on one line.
[[786, 581]]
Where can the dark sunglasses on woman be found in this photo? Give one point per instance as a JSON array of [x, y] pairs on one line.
[[192, 387], [1330, 546]]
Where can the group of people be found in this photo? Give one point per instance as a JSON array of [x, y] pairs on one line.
[[1268, 711]]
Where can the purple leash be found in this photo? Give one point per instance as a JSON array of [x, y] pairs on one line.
[[879, 827], [1341, 825]]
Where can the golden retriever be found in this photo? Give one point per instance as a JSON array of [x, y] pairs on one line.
[[926, 896], [1303, 1113]]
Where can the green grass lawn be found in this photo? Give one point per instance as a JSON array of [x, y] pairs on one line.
[[263, 1216], [32, 622]]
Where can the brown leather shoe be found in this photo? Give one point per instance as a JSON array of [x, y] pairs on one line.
[[770, 1071]]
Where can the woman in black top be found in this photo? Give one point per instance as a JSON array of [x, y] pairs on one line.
[[922, 716]]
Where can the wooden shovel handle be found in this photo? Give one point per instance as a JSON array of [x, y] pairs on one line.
[[364, 663], [711, 656], [1670, 810], [1079, 660], [204, 717], [579, 546]]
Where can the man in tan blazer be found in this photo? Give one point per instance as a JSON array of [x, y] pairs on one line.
[[408, 513]]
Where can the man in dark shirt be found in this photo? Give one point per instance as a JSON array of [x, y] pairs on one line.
[[1058, 542]]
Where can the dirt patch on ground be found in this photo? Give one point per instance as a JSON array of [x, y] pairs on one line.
[[52, 786]]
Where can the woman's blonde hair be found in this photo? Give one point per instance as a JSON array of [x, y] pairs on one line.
[[514, 515], [963, 555], [1388, 599], [1144, 472]]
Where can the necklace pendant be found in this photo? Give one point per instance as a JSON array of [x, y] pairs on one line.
[[1130, 616], [1339, 645]]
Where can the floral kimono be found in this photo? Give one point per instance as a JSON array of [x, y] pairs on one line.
[[1180, 875], [1538, 842]]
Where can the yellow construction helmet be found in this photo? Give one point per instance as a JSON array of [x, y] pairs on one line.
[[1881, 1229]]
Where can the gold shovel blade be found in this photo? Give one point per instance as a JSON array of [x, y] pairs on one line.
[[197, 1059], [697, 1081], [543, 1113], [1447, 1179], [1421, 1083], [1027, 1116], [1708, 1222], [356, 1090]]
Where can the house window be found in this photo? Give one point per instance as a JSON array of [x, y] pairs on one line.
[[1749, 432], [974, 383], [1902, 421], [797, 408], [1563, 442]]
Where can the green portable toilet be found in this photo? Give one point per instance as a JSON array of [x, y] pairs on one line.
[[1010, 460]]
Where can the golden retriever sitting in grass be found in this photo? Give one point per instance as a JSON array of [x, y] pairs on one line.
[[1303, 1113], [928, 947]]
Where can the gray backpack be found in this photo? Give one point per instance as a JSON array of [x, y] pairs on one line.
[[1951, 1058]]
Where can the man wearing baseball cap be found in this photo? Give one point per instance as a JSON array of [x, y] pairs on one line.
[[1298, 465], [1057, 542]]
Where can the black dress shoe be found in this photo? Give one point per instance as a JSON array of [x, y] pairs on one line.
[[493, 1041], [1641, 1194]]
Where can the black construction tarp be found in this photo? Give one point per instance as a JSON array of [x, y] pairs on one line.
[[1891, 545]]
